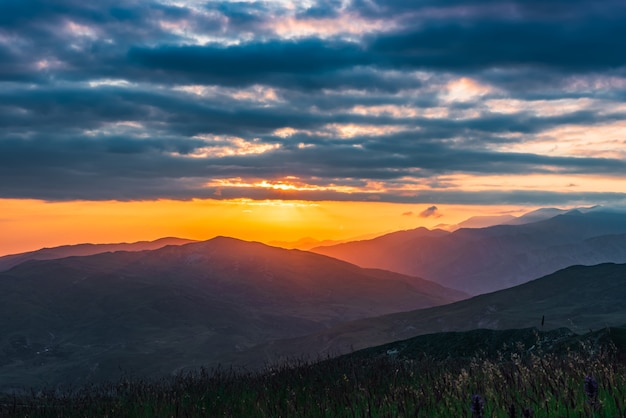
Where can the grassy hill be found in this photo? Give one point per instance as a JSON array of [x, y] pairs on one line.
[[463, 346], [425, 376]]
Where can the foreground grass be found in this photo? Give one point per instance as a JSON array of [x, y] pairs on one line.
[[521, 383]]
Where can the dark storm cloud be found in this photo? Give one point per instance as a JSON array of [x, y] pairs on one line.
[[66, 158], [250, 63], [178, 114], [581, 47], [242, 16], [59, 166], [91, 105], [584, 42], [554, 10]]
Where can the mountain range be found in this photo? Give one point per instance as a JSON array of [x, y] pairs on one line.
[[8, 261], [89, 313], [80, 319], [481, 260], [506, 219]]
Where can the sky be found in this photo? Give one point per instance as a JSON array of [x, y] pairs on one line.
[[127, 120]]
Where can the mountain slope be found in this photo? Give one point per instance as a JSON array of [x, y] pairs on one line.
[[484, 221], [487, 259], [9, 261], [536, 216], [496, 344], [579, 298], [151, 312], [303, 243]]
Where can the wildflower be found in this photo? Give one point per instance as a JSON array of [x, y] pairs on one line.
[[591, 389], [477, 406]]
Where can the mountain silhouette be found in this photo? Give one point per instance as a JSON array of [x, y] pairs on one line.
[[80, 319], [9, 261], [482, 260]]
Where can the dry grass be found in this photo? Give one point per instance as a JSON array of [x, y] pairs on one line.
[[520, 383]]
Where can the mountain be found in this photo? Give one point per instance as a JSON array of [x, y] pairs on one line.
[[303, 243], [580, 298], [533, 216], [308, 243], [378, 252], [9, 261], [486, 259], [147, 313], [484, 221], [536, 216]]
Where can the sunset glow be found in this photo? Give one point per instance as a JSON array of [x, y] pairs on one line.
[[33, 224], [125, 121]]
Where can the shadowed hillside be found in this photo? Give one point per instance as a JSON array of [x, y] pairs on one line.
[[487, 343], [153, 312], [429, 376], [579, 298]]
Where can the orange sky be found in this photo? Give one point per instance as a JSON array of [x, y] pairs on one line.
[[188, 121], [32, 224]]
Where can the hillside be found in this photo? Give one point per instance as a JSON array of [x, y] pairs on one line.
[[9, 261], [429, 376], [493, 344], [79, 319], [487, 259], [579, 298]]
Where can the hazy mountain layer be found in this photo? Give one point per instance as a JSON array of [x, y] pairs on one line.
[[487, 259], [153, 312], [484, 221]]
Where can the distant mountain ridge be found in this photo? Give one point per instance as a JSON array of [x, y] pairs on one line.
[[9, 261], [303, 243], [307, 243], [537, 215], [485, 221], [487, 259], [153, 312]]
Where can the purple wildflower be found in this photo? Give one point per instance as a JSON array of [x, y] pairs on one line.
[[591, 389], [477, 406]]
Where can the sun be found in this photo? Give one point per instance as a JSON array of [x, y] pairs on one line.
[[281, 214]]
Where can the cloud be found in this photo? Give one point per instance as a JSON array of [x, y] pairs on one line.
[[489, 43], [143, 100], [249, 63], [407, 213], [431, 211]]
